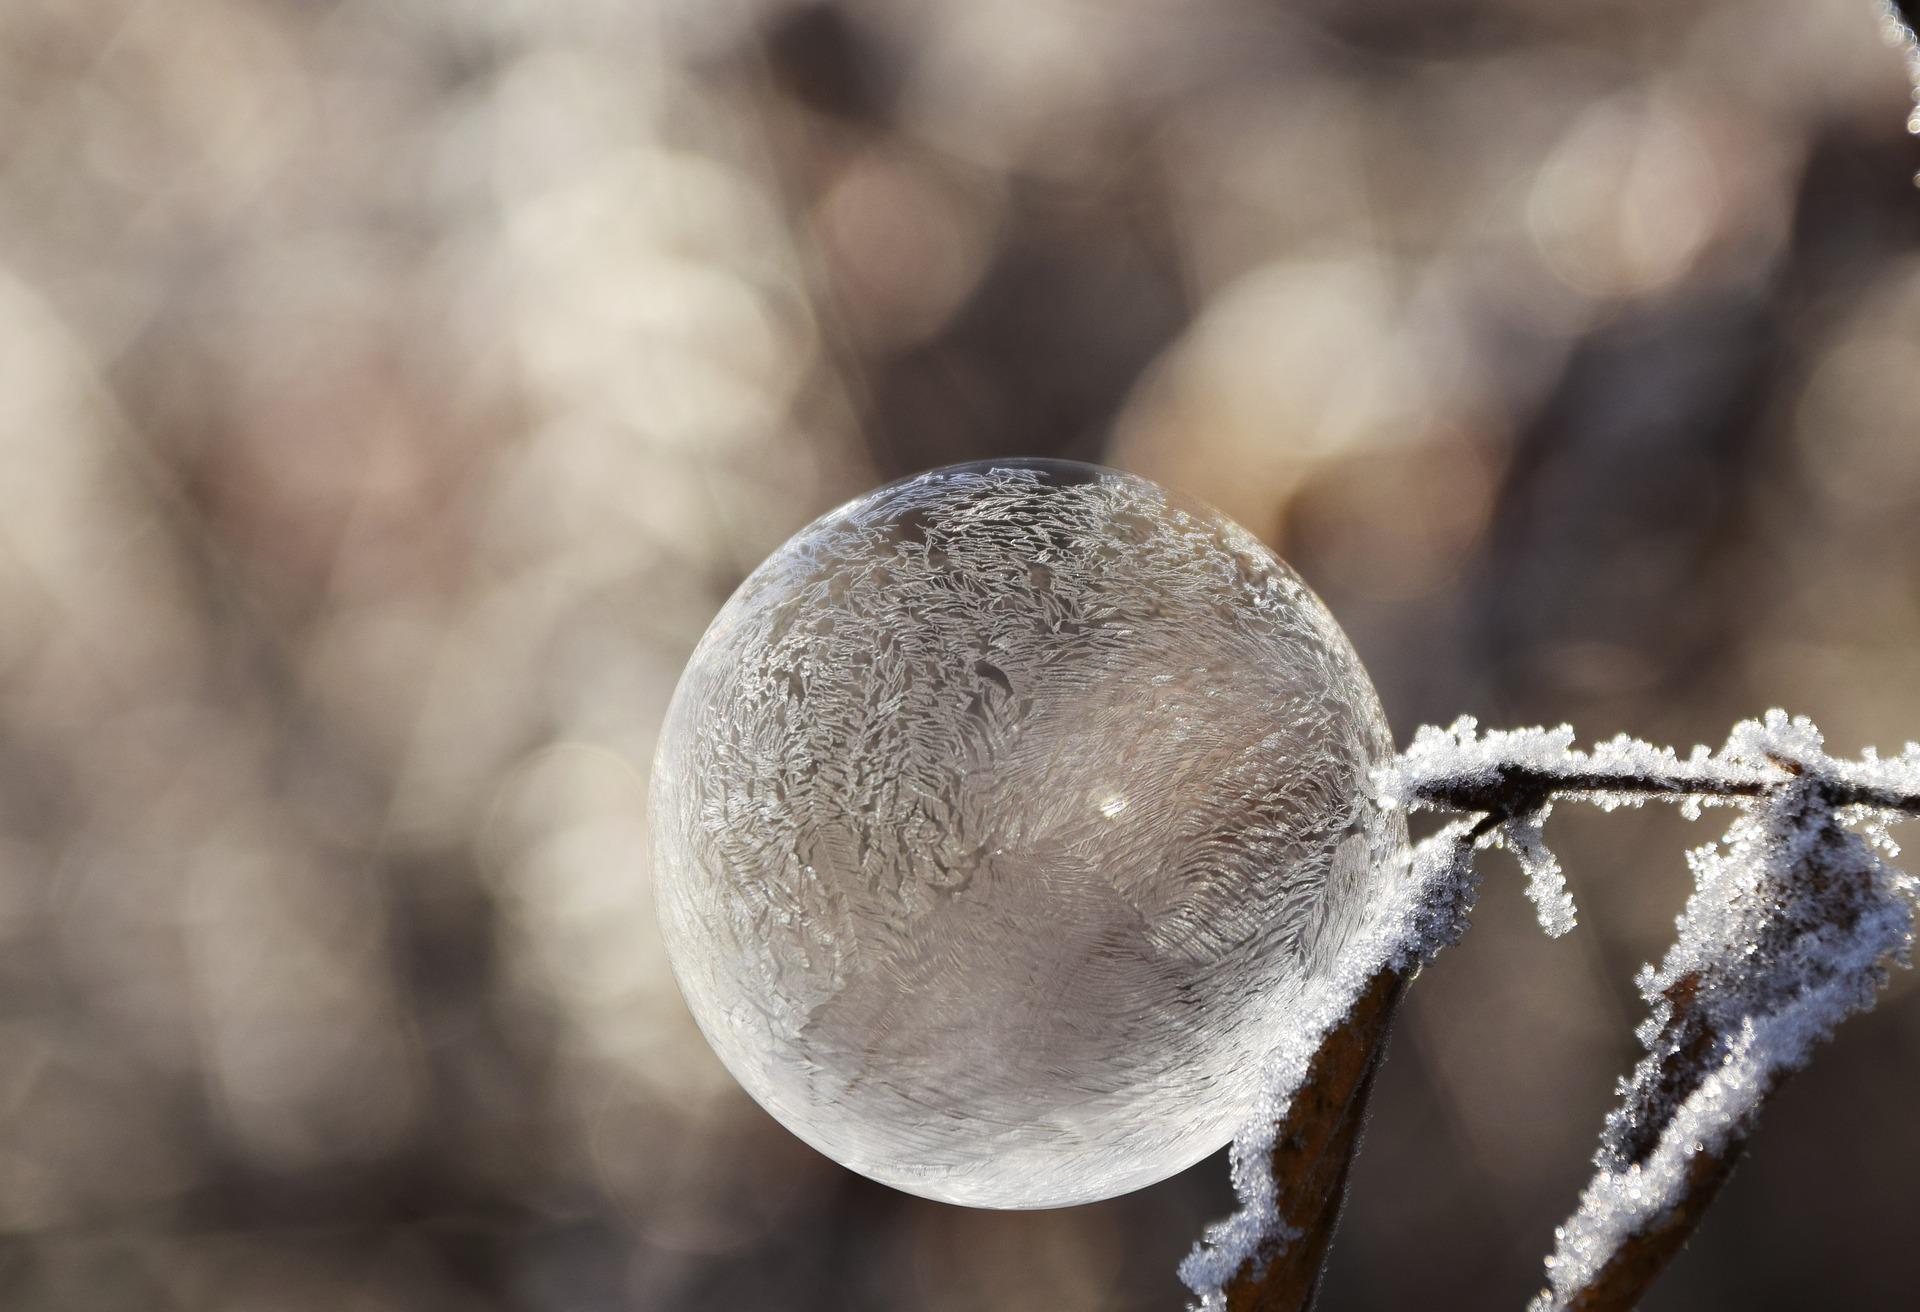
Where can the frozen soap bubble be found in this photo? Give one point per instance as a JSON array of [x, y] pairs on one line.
[[1000, 818]]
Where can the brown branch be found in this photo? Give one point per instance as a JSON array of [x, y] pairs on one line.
[[1827, 889], [1516, 789], [1314, 1142], [1312, 1154], [1686, 1041], [1631, 1271], [1763, 966]]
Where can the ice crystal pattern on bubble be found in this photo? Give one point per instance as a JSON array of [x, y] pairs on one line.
[[1002, 819]]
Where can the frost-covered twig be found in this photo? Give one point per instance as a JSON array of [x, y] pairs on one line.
[[1791, 928], [1289, 1161], [1514, 772], [1311, 1153]]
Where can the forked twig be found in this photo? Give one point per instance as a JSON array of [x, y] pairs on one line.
[[1792, 926]]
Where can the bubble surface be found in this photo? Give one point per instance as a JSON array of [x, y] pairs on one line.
[[997, 821]]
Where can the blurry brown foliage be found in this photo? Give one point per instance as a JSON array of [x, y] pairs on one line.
[[393, 390]]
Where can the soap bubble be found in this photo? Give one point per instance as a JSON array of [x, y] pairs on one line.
[[999, 820]]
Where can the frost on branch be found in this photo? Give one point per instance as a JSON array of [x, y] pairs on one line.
[[1793, 924], [1409, 920], [1791, 928], [1513, 775], [1546, 884], [1509, 772]]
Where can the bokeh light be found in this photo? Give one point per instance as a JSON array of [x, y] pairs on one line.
[[394, 390]]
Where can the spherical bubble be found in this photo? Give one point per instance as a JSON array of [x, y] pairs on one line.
[[1000, 818]]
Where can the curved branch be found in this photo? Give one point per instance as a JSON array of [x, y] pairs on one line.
[[1790, 930], [1312, 1155], [1627, 1276]]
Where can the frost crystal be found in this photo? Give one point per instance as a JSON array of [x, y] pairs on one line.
[[1004, 818], [1409, 921], [1445, 765], [1793, 924], [1791, 928], [1460, 753], [1546, 884]]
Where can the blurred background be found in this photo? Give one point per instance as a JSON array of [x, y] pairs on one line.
[[391, 391]]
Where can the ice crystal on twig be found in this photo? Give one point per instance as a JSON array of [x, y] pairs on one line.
[[1412, 918], [1546, 883], [1792, 926], [1794, 921]]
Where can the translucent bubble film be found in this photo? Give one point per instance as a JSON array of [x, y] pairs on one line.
[[997, 821]]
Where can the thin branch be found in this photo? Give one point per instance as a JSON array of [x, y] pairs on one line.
[[1685, 1045], [1517, 788], [1789, 931], [1312, 1156], [1625, 1279], [1290, 1162]]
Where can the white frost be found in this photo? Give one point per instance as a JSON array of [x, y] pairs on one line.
[[1791, 928], [1546, 883], [1410, 920], [1461, 754], [1793, 923]]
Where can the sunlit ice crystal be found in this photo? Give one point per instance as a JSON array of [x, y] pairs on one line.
[[999, 821]]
